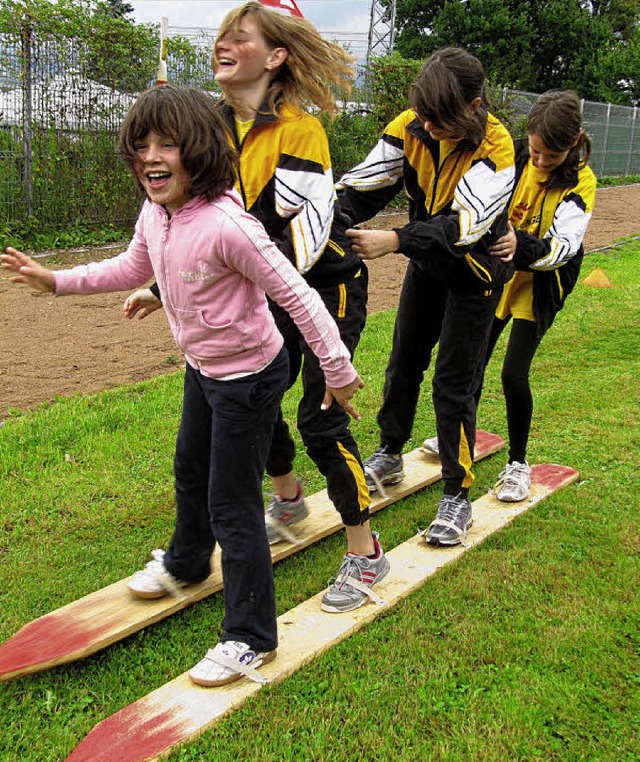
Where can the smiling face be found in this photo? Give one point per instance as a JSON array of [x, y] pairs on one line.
[[544, 158], [244, 59], [159, 169]]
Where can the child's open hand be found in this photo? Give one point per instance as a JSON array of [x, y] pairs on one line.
[[343, 396], [29, 272], [142, 303]]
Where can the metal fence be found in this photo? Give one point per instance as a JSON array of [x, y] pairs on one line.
[[58, 128], [614, 132]]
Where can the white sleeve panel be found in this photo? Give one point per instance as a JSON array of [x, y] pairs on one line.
[[308, 198], [382, 168], [565, 235], [480, 196]]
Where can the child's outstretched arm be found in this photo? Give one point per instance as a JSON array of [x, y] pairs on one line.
[[29, 272]]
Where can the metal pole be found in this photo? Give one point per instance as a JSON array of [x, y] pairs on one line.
[[27, 115], [631, 139], [606, 140]]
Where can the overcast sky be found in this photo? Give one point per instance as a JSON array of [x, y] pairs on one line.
[[349, 19]]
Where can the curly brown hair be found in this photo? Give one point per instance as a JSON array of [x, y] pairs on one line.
[[191, 118], [313, 64]]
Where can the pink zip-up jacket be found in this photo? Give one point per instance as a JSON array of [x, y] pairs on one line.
[[213, 263]]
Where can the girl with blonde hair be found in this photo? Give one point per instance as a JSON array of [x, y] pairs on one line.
[[269, 66]]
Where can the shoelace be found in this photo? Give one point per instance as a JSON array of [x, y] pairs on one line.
[[235, 665], [449, 510], [345, 577], [377, 460], [511, 475]]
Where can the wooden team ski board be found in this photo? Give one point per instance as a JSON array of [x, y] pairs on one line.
[[180, 711], [89, 624]]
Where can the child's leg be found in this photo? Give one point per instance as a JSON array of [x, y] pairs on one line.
[[416, 332], [463, 344], [282, 451], [189, 555], [521, 348], [497, 327], [326, 434], [243, 414]]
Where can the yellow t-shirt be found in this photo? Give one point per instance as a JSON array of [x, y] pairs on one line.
[[242, 128], [525, 214]]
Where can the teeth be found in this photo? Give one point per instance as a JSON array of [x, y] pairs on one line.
[[157, 175]]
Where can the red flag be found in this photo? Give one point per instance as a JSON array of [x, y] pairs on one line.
[[286, 6]]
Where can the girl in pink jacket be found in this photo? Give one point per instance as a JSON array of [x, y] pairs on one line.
[[214, 264]]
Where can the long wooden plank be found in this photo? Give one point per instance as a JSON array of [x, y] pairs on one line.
[[94, 622], [179, 711]]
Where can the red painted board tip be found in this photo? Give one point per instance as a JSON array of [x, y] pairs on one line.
[[485, 440], [136, 733], [52, 639], [552, 475]]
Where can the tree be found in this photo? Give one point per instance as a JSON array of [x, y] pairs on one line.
[[94, 39], [118, 8], [593, 47]]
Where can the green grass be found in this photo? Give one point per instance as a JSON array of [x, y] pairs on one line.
[[525, 649]]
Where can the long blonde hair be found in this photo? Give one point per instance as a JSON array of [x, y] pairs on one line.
[[312, 66]]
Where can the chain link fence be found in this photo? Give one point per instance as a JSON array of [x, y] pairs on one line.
[[58, 132], [614, 132]]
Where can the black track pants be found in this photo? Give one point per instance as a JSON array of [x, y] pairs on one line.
[[431, 311], [326, 434]]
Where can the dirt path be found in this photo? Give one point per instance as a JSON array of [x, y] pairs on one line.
[[83, 344]]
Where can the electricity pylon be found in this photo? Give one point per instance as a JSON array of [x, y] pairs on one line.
[[381, 28]]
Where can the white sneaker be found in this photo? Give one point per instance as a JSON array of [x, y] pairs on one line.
[[228, 662], [430, 446], [154, 581], [514, 482]]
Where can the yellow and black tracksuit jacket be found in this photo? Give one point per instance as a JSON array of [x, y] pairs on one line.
[[286, 181], [459, 189], [550, 224], [458, 195]]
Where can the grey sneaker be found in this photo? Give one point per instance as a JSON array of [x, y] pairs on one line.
[[382, 468], [356, 576], [514, 482], [452, 521], [430, 446], [282, 514]]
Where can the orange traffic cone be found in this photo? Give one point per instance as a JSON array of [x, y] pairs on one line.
[[598, 279]]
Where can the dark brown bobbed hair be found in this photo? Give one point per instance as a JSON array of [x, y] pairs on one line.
[[189, 117], [556, 118], [449, 81]]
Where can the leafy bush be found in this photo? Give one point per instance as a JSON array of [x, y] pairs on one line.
[[351, 137], [388, 81]]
